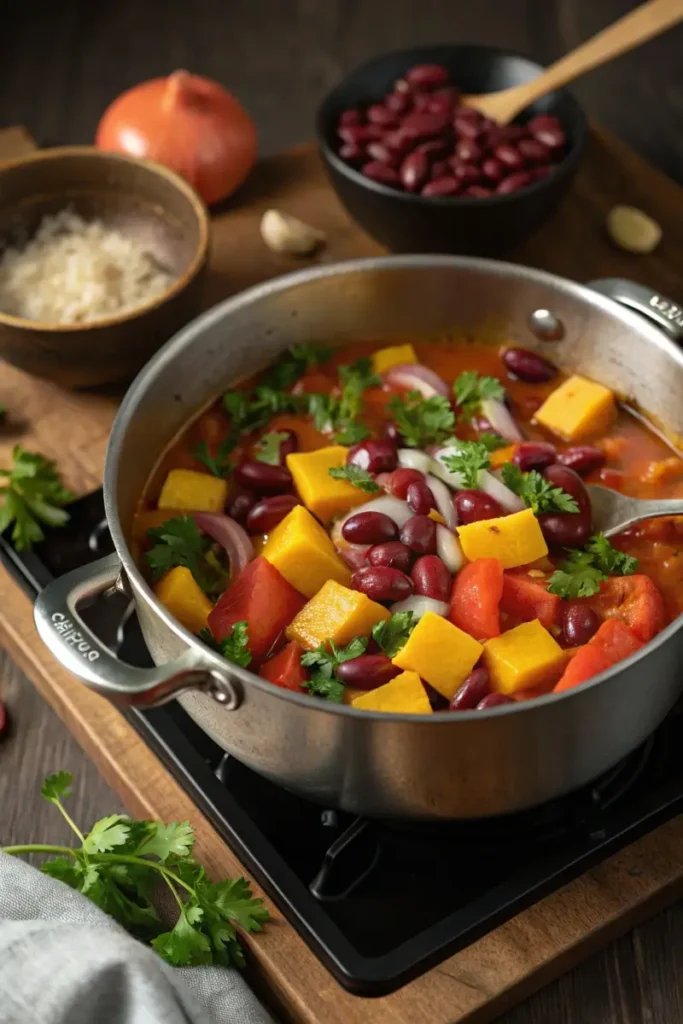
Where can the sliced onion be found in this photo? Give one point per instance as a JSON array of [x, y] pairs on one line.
[[412, 458], [510, 501], [419, 606], [500, 418], [453, 480], [352, 554], [399, 511], [448, 549], [442, 497], [230, 535], [414, 377]]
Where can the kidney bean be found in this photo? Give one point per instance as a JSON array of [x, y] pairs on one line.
[[534, 455], [377, 171], [567, 529], [239, 503], [468, 151], [476, 686], [528, 366], [402, 86], [419, 534], [431, 578], [439, 105], [441, 188], [583, 459], [380, 583], [466, 174], [440, 169], [369, 528], [427, 76], [398, 141], [350, 116], [352, 153], [578, 623], [397, 102], [359, 134], [414, 171], [548, 130], [534, 152], [422, 125], [493, 700], [375, 456], [262, 478], [509, 134], [400, 480], [513, 183], [466, 127], [473, 505], [379, 114], [392, 554], [432, 148], [268, 512], [421, 101], [478, 192], [378, 151], [449, 92], [509, 156], [468, 113], [420, 497], [367, 672], [493, 169]]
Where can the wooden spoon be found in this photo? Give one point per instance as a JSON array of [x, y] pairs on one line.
[[630, 31]]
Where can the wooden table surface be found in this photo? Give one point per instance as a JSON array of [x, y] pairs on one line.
[[62, 63]]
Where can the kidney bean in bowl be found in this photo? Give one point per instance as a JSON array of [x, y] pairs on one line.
[[420, 171]]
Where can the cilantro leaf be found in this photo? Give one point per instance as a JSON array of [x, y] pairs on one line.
[[268, 449], [422, 421], [184, 945], [179, 541], [33, 494], [235, 647], [220, 464], [582, 572], [536, 492], [339, 414], [575, 579], [249, 411], [609, 559], [323, 682], [356, 475], [57, 786], [173, 840], [393, 634], [471, 390], [350, 433], [492, 441], [468, 460], [106, 834], [292, 365]]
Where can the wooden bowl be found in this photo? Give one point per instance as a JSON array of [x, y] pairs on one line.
[[141, 199]]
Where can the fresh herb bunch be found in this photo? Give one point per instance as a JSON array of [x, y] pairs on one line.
[[33, 493], [582, 572], [234, 647], [471, 389], [356, 475], [393, 634], [179, 541], [468, 460], [120, 862], [536, 492], [268, 448], [422, 421], [323, 681], [291, 366]]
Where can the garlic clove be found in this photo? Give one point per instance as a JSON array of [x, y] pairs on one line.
[[633, 230], [284, 233]]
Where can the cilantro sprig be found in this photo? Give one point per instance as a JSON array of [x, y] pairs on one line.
[[268, 449], [471, 389], [33, 494], [179, 541], [339, 414], [582, 572], [422, 421], [468, 460], [536, 492], [393, 634], [294, 363], [234, 647], [220, 464], [356, 475], [120, 861], [323, 681]]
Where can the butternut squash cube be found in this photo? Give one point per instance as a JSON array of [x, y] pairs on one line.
[[385, 358], [301, 550], [321, 493], [403, 694], [197, 492], [514, 540], [524, 658], [439, 652], [577, 409], [184, 598], [335, 613]]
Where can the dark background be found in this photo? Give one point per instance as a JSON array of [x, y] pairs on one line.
[[63, 61]]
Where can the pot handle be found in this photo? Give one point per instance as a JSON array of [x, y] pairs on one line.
[[75, 645], [665, 313]]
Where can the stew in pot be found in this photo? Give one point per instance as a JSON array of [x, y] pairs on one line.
[[406, 528]]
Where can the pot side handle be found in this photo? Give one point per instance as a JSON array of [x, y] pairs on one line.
[[75, 645], [665, 313]]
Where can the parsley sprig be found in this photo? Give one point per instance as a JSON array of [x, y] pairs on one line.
[[33, 493], [339, 414], [468, 460], [471, 389], [356, 475], [422, 421], [536, 492], [323, 681], [234, 647], [393, 634], [179, 541], [582, 572], [118, 865], [268, 449], [293, 364]]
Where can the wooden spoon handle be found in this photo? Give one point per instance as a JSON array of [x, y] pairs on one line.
[[635, 28]]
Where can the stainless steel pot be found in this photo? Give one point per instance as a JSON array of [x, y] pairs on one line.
[[447, 766]]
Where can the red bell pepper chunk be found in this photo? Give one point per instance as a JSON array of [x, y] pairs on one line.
[[261, 597], [284, 669], [475, 597], [636, 601], [525, 598], [588, 661], [613, 642]]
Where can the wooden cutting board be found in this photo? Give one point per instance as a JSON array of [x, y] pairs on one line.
[[477, 984]]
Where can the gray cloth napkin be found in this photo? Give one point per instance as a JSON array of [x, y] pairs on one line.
[[63, 961]]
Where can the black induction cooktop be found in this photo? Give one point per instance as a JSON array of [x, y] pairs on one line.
[[378, 902]]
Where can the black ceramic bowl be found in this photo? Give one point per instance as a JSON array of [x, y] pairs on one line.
[[405, 222]]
